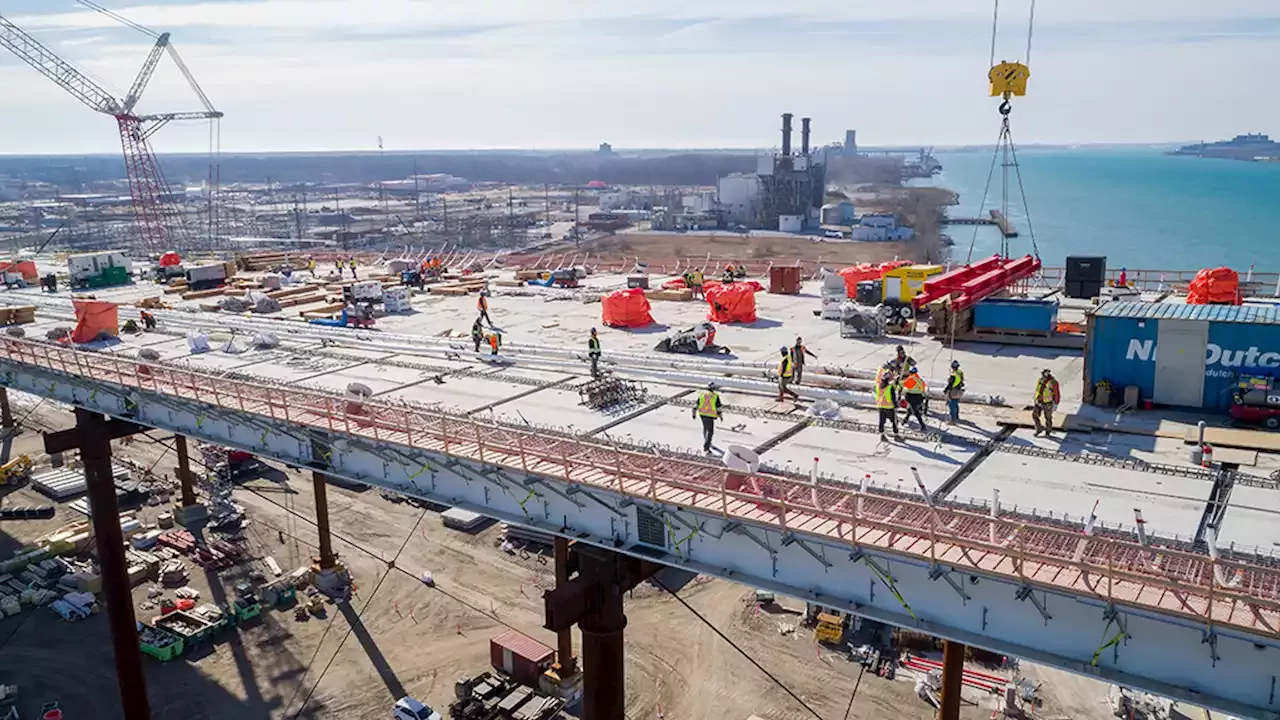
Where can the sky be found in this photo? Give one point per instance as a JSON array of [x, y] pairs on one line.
[[297, 75]]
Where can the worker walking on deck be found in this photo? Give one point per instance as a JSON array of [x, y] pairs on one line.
[[786, 371], [695, 283], [477, 333], [955, 390], [482, 304], [352, 262], [913, 388], [593, 352], [797, 358], [339, 265], [708, 410], [887, 404], [1047, 397]]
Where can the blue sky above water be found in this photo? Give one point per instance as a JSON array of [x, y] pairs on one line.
[[336, 74]]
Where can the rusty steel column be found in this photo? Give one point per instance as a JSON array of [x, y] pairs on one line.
[[6, 414], [604, 695], [327, 560], [95, 451], [564, 638], [952, 679], [184, 471]]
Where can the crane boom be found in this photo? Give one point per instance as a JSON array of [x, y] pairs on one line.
[[144, 75], [32, 52]]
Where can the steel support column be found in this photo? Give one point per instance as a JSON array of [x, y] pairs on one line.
[[184, 471], [952, 679], [327, 560], [95, 451], [604, 694], [564, 638], [6, 413]]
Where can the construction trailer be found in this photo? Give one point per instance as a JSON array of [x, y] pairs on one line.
[[99, 269]]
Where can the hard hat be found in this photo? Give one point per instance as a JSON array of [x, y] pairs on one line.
[[1046, 371], [955, 364], [593, 331], [900, 349], [913, 370], [711, 386], [783, 349]]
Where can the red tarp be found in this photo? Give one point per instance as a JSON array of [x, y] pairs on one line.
[[866, 271], [626, 308], [94, 317], [25, 268], [750, 285], [170, 259], [674, 284], [735, 302], [1219, 286]]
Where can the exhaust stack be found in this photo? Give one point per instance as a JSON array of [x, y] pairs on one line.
[[786, 133], [804, 136]]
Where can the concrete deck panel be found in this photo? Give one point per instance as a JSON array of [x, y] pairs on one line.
[[457, 393], [854, 454], [1252, 520], [555, 407], [675, 427]]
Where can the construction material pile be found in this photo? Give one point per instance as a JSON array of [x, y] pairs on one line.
[[608, 392], [1216, 286], [627, 308]]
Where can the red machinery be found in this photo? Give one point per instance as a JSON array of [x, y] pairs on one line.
[[969, 284]]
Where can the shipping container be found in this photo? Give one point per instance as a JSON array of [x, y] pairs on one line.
[[520, 656], [1180, 355], [1015, 315], [211, 273], [784, 280]]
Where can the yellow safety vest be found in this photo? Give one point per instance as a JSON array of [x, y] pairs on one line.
[[593, 345], [914, 385], [1044, 392], [784, 367], [697, 277], [958, 378], [884, 397], [708, 403]]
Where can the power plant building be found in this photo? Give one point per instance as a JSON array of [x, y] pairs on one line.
[[787, 191]]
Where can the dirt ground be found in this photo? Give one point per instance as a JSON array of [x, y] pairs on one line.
[[754, 250], [398, 636]]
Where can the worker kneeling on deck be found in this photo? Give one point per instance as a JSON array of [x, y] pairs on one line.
[[913, 388], [495, 341], [709, 410], [887, 404], [786, 370], [1047, 397], [593, 352]]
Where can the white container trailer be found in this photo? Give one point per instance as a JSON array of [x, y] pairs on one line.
[[83, 266], [212, 273]]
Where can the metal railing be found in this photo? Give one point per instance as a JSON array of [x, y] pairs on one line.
[[1214, 592]]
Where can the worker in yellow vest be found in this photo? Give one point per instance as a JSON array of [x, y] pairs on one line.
[[1046, 399], [786, 371], [709, 410], [696, 283], [593, 352], [955, 391], [913, 388], [352, 262], [482, 304], [339, 265], [887, 404], [311, 265]]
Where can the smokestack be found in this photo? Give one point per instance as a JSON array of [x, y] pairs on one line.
[[804, 136], [786, 133]]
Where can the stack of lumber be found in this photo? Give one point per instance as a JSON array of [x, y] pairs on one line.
[[296, 300], [508, 283], [177, 286], [151, 302], [685, 294], [268, 260], [326, 311], [17, 315], [201, 294], [458, 288], [529, 274]]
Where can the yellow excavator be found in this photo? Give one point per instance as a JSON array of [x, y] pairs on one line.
[[15, 472]]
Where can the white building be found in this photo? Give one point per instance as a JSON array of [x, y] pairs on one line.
[[701, 202], [616, 199], [881, 227], [739, 197]]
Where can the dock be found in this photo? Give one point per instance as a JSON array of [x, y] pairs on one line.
[[996, 218]]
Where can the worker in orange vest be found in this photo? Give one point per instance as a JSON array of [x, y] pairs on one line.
[[495, 340], [913, 388], [482, 304]]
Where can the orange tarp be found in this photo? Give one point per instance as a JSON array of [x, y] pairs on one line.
[[94, 318], [866, 271], [735, 302], [25, 268], [1219, 286], [626, 308], [170, 259]]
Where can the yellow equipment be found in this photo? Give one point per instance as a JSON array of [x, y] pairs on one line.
[[15, 472], [830, 629], [1009, 79], [905, 283]]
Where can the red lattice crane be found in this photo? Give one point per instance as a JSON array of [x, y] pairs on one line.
[[158, 227]]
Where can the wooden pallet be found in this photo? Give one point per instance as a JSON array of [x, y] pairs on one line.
[[202, 294], [1236, 438]]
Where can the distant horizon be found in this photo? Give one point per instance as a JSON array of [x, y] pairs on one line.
[[1154, 145]]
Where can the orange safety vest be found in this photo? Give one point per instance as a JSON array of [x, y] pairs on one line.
[[707, 404], [482, 303], [914, 384], [493, 341]]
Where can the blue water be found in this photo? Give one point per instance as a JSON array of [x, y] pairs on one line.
[[1138, 207]]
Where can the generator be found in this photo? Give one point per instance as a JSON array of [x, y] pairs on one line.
[[1256, 400]]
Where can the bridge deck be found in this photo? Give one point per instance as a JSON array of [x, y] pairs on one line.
[[1165, 581]]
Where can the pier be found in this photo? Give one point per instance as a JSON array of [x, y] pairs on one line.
[[996, 218]]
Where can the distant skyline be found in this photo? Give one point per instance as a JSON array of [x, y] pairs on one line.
[[315, 75]]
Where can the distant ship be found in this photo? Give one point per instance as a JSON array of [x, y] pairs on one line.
[[1254, 147], [924, 165]]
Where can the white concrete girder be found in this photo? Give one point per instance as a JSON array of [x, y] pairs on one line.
[[1164, 655]]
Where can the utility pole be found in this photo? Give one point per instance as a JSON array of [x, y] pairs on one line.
[[417, 194], [546, 199], [575, 217], [511, 214]]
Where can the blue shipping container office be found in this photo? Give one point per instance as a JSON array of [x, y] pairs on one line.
[[1180, 355]]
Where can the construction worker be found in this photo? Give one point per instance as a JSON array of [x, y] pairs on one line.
[[148, 320], [1047, 397], [955, 390], [786, 370], [887, 404], [913, 388], [696, 284], [477, 333], [352, 262], [495, 340], [903, 359], [339, 265], [311, 265], [727, 278], [741, 272], [593, 352], [482, 304], [709, 410], [797, 358]]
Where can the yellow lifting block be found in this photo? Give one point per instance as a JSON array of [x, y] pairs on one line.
[[1009, 78]]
